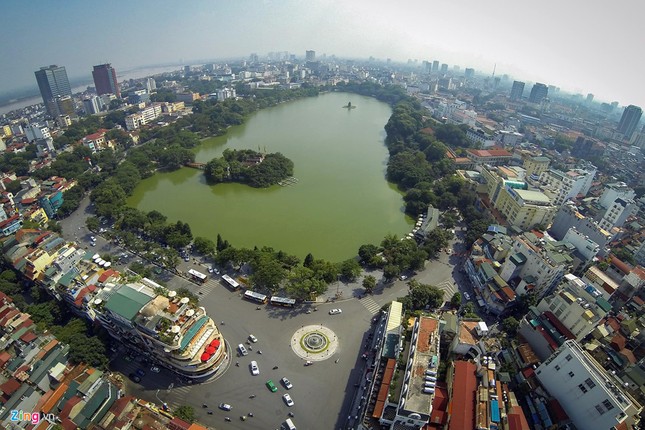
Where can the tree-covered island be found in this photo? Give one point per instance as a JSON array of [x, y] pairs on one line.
[[249, 167]]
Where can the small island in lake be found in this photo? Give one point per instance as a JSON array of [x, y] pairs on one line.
[[349, 106], [246, 166]]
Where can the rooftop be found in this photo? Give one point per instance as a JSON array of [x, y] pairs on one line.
[[127, 302]]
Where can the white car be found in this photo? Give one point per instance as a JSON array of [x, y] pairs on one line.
[[155, 369], [403, 277], [287, 399], [335, 311], [466, 295], [225, 406], [287, 384], [253, 338], [243, 350], [255, 370]]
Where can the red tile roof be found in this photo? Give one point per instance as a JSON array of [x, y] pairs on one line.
[[490, 152], [28, 337], [619, 264], [10, 386], [4, 358], [462, 407]]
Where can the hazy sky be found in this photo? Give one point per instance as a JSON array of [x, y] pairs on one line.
[[580, 45]]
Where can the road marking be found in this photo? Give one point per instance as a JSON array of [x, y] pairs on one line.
[[448, 288], [370, 305]]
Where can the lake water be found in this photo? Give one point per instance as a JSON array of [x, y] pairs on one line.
[[340, 202]]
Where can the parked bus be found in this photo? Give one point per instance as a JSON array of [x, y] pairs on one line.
[[255, 297], [283, 301], [197, 276], [230, 282]]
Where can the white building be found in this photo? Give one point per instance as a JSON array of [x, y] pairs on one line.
[[615, 191], [617, 213], [591, 397], [225, 94], [37, 132], [576, 305], [143, 117], [561, 186], [586, 249]]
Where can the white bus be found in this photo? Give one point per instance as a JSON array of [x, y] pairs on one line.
[[197, 276], [232, 283], [255, 297], [282, 301]]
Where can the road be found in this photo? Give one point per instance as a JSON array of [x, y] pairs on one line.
[[323, 393]]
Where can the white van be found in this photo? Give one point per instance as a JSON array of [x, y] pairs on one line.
[[243, 350], [289, 424], [428, 390]]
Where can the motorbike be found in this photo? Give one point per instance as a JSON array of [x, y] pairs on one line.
[[308, 363]]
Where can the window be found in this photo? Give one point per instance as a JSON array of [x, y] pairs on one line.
[[600, 409], [568, 357], [557, 367], [589, 383], [582, 388], [571, 374], [607, 404]]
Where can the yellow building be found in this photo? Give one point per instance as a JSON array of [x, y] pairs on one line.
[[37, 215], [536, 165], [524, 209]]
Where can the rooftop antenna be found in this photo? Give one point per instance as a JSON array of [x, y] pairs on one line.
[[494, 68]]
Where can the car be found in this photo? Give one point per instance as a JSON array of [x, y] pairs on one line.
[[141, 372], [403, 277], [466, 295], [186, 259], [271, 386], [92, 238], [335, 311], [155, 369], [210, 270], [93, 243], [225, 406], [287, 384], [255, 370], [242, 349], [287, 399], [134, 377], [253, 338]]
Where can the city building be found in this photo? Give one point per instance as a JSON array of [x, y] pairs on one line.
[[592, 397], [629, 120], [37, 132], [585, 252], [96, 141], [143, 117], [493, 157], [52, 83], [562, 186], [615, 191], [310, 55], [463, 389], [435, 66], [225, 94], [568, 217], [525, 209], [617, 213], [539, 93], [444, 68], [517, 91], [92, 105], [469, 73], [535, 166], [105, 81]]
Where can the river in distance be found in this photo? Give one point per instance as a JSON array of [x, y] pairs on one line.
[[341, 199]]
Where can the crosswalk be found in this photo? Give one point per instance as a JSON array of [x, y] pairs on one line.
[[448, 288], [176, 396], [371, 306], [205, 289]]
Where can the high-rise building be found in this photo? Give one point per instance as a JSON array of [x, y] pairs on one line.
[[589, 98], [52, 82], [539, 92], [435, 66], [469, 73], [629, 121], [310, 55], [517, 90], [105, 80], [444, 68]]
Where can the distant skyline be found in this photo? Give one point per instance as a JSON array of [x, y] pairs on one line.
[[582, 47]]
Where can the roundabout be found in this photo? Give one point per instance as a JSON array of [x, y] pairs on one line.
[[314, 342]]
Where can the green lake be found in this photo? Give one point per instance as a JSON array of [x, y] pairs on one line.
[[341, 199]]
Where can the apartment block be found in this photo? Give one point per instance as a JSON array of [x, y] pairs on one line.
[[562, 186], [525, 209], [143, 117], [592, 397]]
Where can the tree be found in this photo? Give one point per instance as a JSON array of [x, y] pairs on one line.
[[367, 252], [92, 223], [391, 271], [186, 413], [350, 269], [302, 283], [204, 246], [369, 283], [308, 260], [267, 272], [455, 301], [510, 325], [422, 295]]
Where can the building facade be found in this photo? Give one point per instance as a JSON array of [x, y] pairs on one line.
[[105, 81], [52, 83], [629, 120], [525, 209], [517, 90], [539, 93], [591, 397]]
